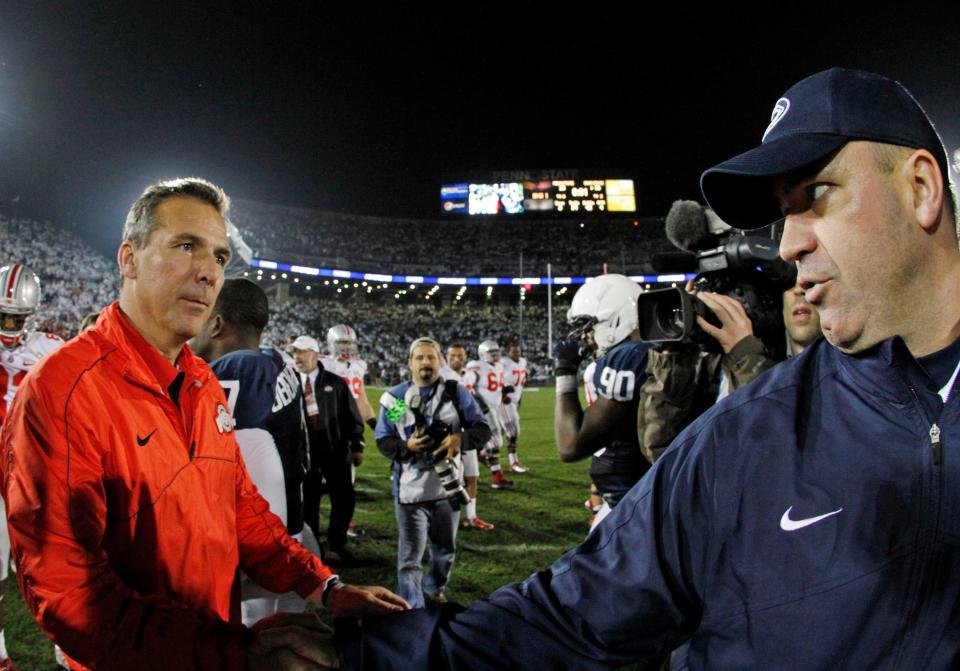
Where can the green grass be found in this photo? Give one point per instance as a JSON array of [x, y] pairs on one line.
[[535, 523]]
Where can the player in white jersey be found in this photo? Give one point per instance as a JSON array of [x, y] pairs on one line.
[[454, 370], [514, 378], [20, 350], [344, 360], [484, 378]]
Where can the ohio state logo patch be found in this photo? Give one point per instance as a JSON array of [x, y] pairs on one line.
[[224, 420]]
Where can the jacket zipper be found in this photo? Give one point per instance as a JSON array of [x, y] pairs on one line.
[[936, 449], [935, 443], [934, 433]]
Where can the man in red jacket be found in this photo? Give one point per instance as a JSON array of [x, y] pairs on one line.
[[129, 506]]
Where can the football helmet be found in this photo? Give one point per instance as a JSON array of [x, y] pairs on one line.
[[19, 299], [605, 308], [342, 341], [489, 351]]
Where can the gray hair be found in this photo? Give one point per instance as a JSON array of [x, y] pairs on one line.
[[426, 342], [140, 221]]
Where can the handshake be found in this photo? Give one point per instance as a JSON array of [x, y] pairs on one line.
[[301, 642]]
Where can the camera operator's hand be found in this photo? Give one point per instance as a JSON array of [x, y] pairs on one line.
[[417, 445], [735, 325], [450, 445], [567, 356]]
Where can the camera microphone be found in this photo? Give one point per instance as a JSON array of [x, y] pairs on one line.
[[691, 227]]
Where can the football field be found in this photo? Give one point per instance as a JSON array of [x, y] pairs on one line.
[[536, 522]]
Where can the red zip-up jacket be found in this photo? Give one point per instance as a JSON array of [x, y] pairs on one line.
[[130, 509]]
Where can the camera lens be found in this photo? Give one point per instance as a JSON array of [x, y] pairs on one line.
[[669, 318]]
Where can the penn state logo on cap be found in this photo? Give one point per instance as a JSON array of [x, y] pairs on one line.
[[779, 111], [224, 420]]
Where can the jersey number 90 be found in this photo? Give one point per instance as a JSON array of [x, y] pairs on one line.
[[617, 384]]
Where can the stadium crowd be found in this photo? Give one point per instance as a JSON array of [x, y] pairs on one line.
[[475, 247], [77, 279], [385, 329]]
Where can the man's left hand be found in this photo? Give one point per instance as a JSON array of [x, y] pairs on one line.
[[357, 458], [357, 600], [449, 445]]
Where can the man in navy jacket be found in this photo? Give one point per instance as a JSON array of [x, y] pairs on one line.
[[812, 519]]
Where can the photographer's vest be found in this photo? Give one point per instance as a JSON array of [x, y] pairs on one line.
[[414, 480]]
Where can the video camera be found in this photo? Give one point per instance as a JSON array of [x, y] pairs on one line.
[[445, 468], [727, 262]]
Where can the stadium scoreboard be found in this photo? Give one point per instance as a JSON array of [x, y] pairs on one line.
[[567, 196]]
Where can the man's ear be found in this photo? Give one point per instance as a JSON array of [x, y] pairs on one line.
[[216, 326], [127, 259], [925, 193]]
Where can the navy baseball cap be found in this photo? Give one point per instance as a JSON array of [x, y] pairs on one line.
[[815, 118]]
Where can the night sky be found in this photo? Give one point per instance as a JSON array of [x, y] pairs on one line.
[[367, 110]]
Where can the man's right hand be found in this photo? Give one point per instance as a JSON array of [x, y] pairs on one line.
[[420, 444], [735, 325], [567, 356], [292, 642]]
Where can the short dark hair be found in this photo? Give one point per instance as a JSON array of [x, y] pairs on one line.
[[243, 305], [140, 221]]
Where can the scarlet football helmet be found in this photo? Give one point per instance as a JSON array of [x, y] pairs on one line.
[[19, 299]]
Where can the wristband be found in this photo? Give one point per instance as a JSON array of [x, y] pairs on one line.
[[372, 423], [332, 583], [566, 384]]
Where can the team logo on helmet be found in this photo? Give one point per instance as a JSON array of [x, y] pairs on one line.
[[224, 420]]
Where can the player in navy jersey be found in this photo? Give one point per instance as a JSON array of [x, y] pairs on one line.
[[266, 402], [604, 312]]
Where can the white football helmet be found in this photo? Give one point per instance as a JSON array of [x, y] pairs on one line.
[[605, 307], [489, 351], [20, 298], [342, 341]]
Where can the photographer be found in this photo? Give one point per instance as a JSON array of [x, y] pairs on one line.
[[684, 380], [423, 426]]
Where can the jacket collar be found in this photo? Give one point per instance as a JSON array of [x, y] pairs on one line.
[[887, 370], [143, 362]]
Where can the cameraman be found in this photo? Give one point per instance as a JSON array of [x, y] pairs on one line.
[[413, 417], [682, 380]]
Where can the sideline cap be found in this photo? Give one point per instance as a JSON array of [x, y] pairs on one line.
[[305, 342], [815, 118]]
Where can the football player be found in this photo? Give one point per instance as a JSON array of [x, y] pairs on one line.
[[266, 403], [344, 360], [514, 378], [454, 370], [604, 314], [20, 351], [484, 378], [595, 502]]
